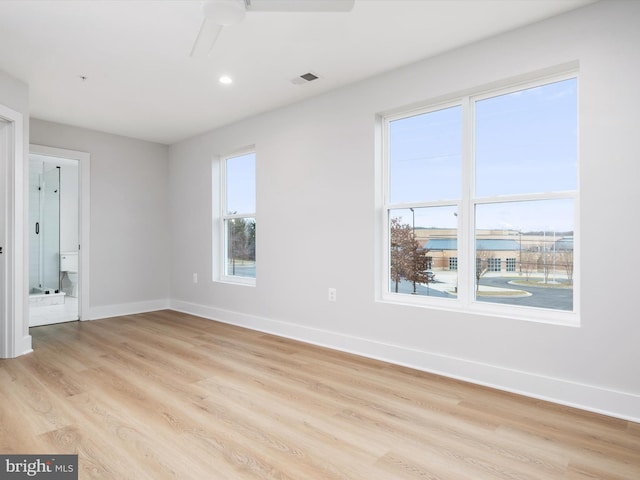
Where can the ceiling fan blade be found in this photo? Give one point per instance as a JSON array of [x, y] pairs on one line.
[[206, 38], [299, 5]]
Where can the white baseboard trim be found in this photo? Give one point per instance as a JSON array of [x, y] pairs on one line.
[[565, 392], [96, 313], [25, 345]]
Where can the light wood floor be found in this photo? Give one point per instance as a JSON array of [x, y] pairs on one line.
[[168, 395]]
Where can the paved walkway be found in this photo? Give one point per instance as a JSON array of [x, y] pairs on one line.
[[446, 282]]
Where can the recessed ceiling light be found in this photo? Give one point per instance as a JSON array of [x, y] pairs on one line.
[[225, 79]]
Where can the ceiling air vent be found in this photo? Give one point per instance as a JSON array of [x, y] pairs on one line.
[[304, 78]]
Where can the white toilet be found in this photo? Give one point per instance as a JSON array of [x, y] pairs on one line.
[[69, 273]]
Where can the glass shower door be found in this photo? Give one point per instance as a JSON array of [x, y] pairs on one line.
[[35, 186], [51, 233], [44, 228]]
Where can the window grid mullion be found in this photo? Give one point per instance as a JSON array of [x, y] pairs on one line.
[[525, 197], [465, 216], [224, 243], [386, 258]]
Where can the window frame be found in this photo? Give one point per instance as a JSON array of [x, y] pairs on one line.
[[466, 229], [221, 274]]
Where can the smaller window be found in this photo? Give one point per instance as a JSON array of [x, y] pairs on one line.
[[511, 264], [429, 260], [453, 263], [495, 264], [238, 218]]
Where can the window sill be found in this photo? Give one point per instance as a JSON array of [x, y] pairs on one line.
[[236, 280], [511, 312]]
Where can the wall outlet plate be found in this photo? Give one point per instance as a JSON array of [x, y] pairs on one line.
[[332, 294]]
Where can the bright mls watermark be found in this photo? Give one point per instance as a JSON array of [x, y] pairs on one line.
[[51, 467]]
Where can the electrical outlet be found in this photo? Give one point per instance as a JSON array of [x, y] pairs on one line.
[[332, 294], [195, 278]]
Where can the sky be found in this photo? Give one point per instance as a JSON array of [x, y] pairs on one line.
[[524, 142], [241, 183]]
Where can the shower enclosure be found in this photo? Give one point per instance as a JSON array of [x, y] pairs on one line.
[[44, 225]]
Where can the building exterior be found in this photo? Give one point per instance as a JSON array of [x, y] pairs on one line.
[[500, 250]]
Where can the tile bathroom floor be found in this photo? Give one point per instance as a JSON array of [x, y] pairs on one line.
[[48, 314]]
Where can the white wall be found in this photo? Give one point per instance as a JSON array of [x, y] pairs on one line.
[[129, 217], [316, 227], [14, 94], [68, 207]]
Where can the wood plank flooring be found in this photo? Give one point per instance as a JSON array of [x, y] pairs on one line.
[[167, 395]]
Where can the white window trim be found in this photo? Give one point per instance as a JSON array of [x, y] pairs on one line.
[[220, 255], [465, 301]]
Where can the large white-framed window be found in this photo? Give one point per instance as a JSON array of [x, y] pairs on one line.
[[474, 181], [237, 224]]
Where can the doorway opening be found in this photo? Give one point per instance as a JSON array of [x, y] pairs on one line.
[[53, 240], [57, 236]]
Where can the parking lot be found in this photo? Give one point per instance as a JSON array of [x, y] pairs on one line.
[[491, 287]]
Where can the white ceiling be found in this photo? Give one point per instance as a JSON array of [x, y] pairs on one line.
[[141, 81]]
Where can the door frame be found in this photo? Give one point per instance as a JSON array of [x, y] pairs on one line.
[[84, 205], [14, 324]]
